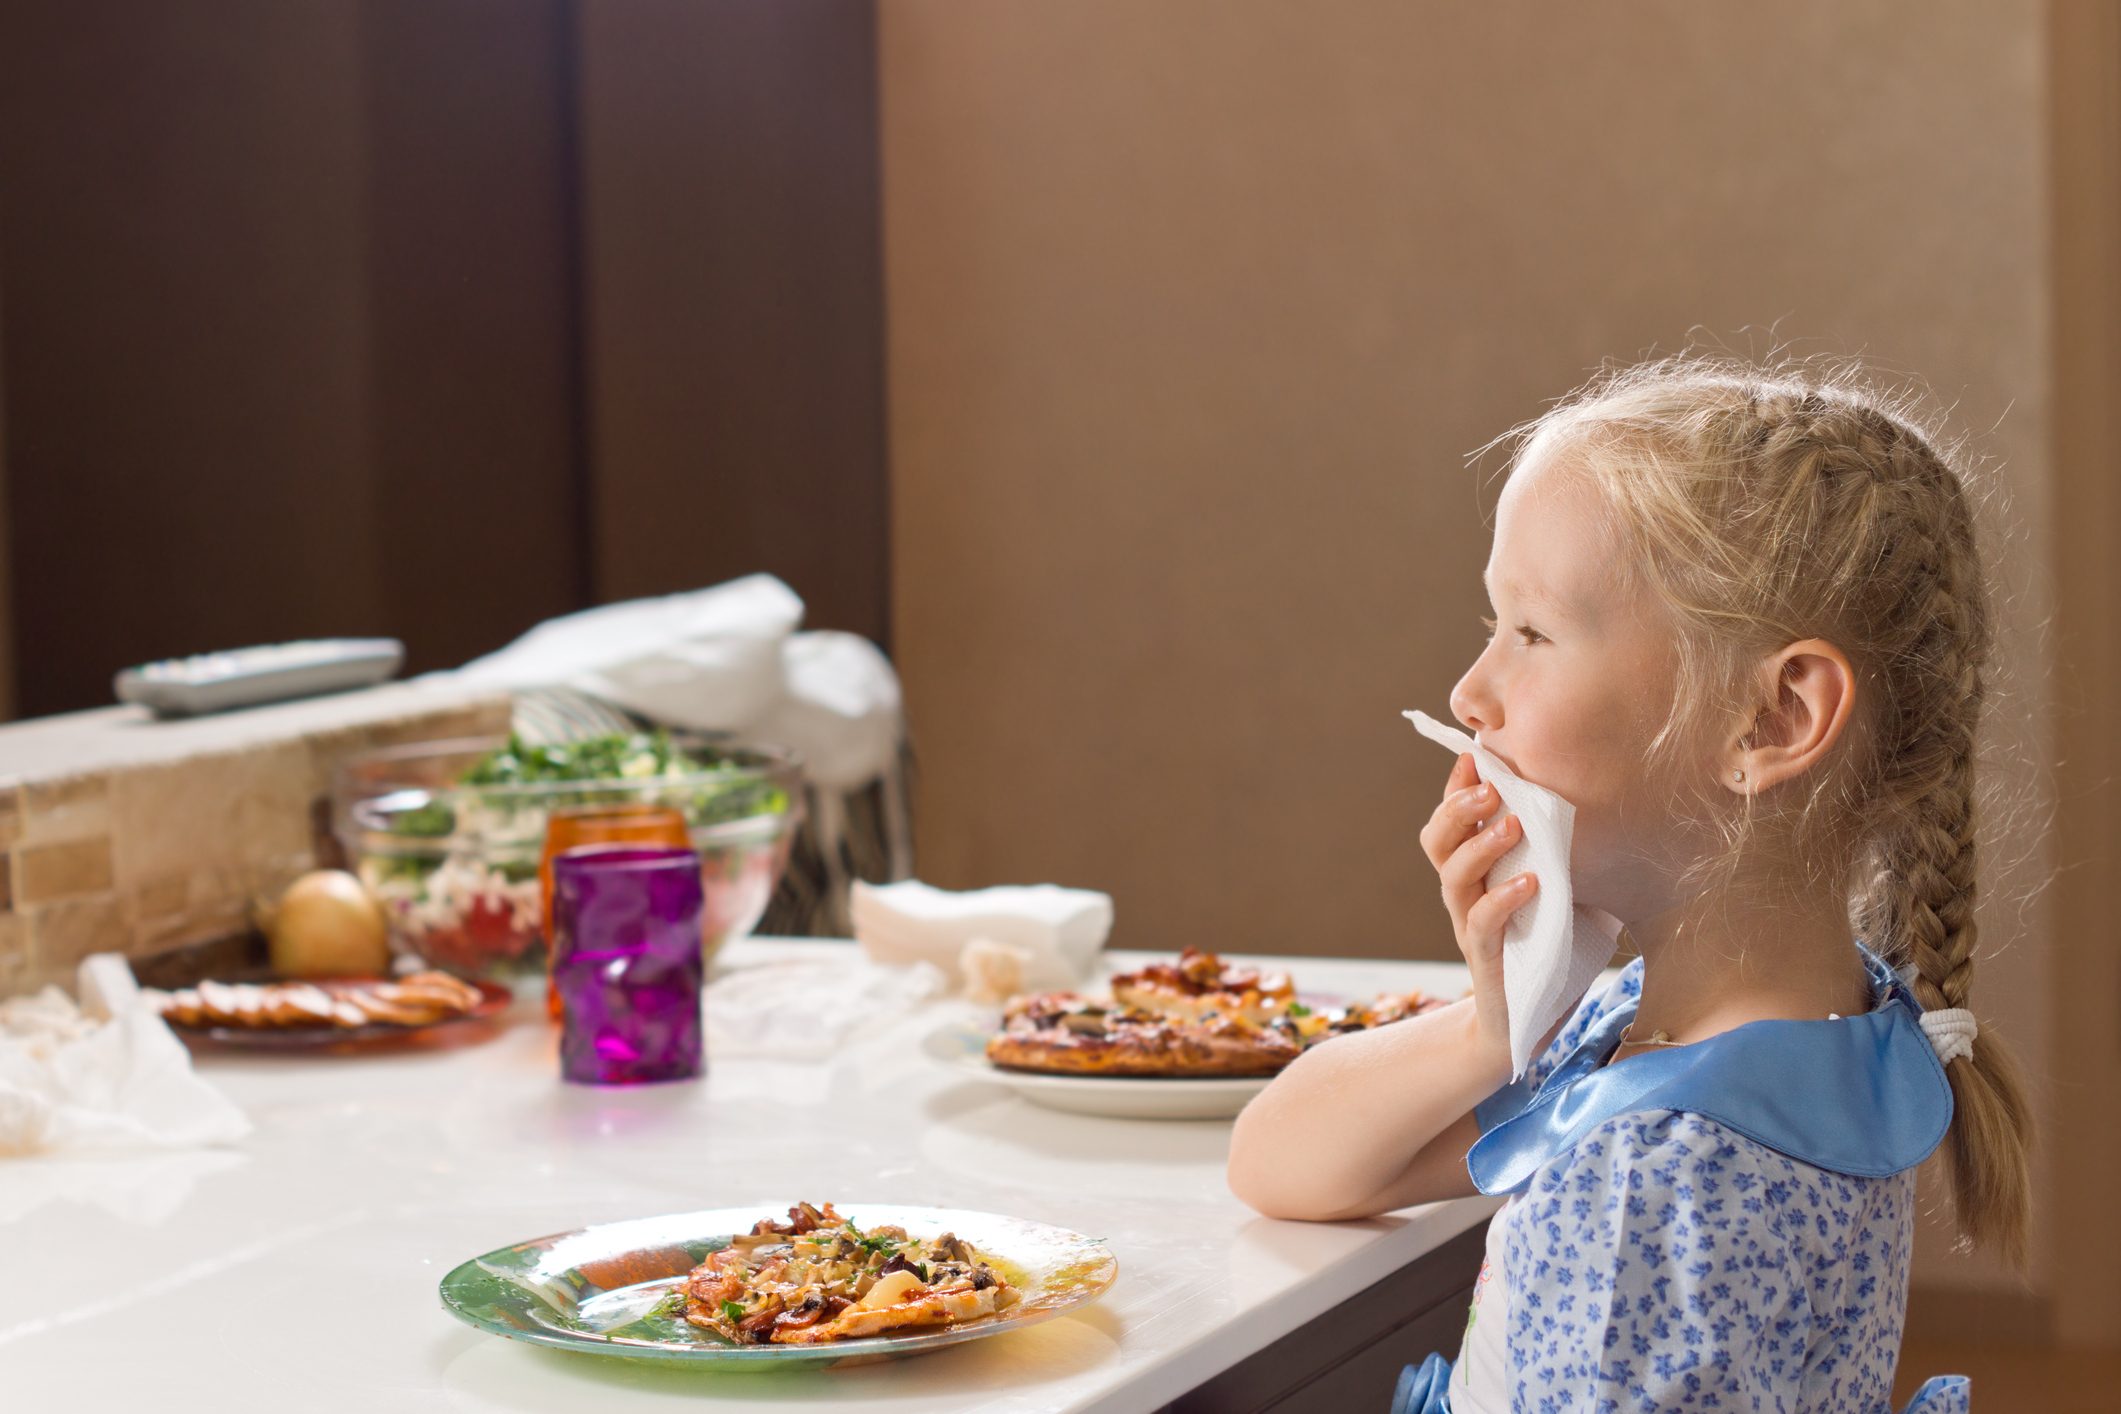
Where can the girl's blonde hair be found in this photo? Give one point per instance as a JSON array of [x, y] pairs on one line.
[[1765, 508]]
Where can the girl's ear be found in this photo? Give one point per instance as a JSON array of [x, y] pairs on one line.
[[1810, 692]]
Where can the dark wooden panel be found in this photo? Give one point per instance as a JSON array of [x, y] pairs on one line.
[[473, 311], [293, 319], [1364, 1381], [181, 249], [291, 327], [735, 305], [1350, 1358]]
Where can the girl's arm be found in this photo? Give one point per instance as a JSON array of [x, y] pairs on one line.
[[1377, 1120], [1368, 1122]]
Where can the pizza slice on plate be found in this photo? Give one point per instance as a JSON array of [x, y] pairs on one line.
[[1197, 1018]]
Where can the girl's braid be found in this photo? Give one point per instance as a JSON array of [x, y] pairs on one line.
[[1893, 556], [1923, 890]]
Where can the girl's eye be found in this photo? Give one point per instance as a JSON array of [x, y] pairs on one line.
[[1530, 635]]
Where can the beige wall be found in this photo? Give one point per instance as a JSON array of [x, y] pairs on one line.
[[1197, 308]]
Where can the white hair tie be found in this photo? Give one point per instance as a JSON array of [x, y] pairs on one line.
[[1951, 1031]]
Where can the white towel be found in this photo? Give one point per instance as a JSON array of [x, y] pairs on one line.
[[1552, 950], [107, 1075], [1058, 930]]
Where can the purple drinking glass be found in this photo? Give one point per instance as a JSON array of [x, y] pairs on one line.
[[626, 963]]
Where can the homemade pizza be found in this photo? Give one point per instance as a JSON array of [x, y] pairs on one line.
[[1065, 1034], [1200, 985], [819, 1278], [1197, 1018]]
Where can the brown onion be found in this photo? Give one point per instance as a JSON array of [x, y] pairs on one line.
[[327, 925]]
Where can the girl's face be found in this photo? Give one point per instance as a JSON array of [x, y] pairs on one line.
[[1576, 682]]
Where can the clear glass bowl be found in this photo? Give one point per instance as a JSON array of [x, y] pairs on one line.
[[455, 866]]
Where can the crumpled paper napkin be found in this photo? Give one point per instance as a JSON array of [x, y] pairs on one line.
[[1059, 931], [804, 1010], [1552, 948], [105, 1075]]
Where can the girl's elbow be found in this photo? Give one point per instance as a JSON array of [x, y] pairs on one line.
[[1268, 1171], [1252, 1181], [1246, 1187], [1275, 1194], [1266, 1202], [1294, 1207]]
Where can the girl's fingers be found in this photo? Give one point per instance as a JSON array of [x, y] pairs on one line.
[[1464, 874], [1467, 802], [1462, 773], [1480, 939], [1488, 916]]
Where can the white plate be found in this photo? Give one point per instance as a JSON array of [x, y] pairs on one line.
[[964, 1049]]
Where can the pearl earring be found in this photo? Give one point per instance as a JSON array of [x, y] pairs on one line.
[[1737, 775]]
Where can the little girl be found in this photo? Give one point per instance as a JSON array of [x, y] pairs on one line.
[[1740, 626]]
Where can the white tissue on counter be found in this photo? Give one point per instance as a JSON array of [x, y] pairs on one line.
[[1058, 931], [1552, 948], [106, 1075], [804, 1010]]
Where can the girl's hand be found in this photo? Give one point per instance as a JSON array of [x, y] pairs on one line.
[[1463, 853]]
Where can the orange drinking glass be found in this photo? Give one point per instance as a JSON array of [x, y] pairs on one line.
[[600, 827]]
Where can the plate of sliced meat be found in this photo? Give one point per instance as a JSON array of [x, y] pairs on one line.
[[333, 1012]]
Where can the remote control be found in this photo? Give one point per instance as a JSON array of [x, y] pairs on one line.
[[249, 677]]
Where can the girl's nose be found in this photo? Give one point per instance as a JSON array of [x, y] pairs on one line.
[[1474, 702]]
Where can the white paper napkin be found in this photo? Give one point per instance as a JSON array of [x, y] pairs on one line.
[[806, 1010], [1552, 949], [1058, 930], [106, 1075]]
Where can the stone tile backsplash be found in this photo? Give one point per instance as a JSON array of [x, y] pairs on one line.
[[121, 833]]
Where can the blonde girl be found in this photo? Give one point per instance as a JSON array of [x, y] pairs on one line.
[[1740, 625]]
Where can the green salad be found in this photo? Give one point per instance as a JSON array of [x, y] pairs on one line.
[[619, 756], [484, 798]]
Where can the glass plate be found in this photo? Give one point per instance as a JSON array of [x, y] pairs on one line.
[[595, 1290], [474, 1025]]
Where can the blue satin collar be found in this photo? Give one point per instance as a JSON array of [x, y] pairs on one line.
[[1863, 1096]]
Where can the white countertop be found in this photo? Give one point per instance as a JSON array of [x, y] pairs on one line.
[[298, 1270]]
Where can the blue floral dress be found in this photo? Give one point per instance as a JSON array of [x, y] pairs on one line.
[[1688, 1232]]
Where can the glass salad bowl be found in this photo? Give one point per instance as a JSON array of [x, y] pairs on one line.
[[448, 835]]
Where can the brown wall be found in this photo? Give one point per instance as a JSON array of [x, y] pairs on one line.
[[1198, 308]]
